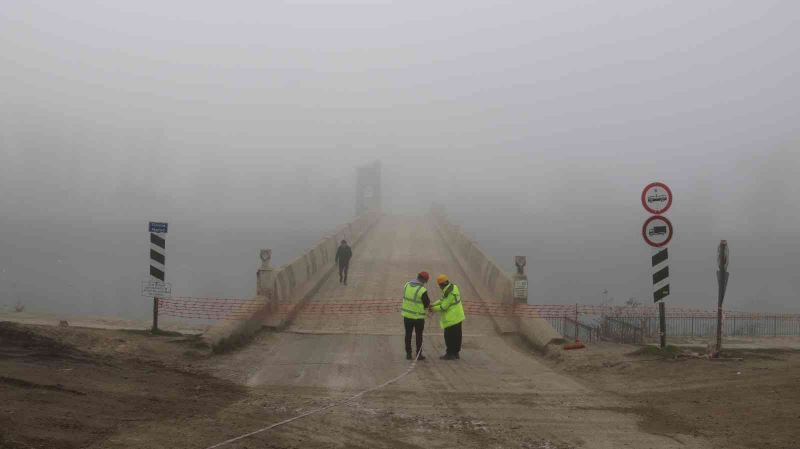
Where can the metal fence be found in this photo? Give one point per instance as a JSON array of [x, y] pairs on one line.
[[637, 324], [733, 325], [571, 329], [621, 330]]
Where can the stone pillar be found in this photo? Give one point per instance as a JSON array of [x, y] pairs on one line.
[[368, 188], [265, 276], [520, 279]]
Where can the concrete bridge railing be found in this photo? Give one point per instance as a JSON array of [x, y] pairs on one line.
[[492, 283], [291, 284]]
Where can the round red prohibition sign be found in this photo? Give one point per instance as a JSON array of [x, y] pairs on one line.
[[657, 198], [657, 231]]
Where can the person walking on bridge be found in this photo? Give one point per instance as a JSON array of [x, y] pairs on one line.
[[452, 315], [343, 255], [415, 303]]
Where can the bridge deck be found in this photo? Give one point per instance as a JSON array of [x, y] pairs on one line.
[[388, 257], [498, 395]]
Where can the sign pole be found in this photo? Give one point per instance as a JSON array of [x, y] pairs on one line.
[[662, 324], [158, 268], [155, 315], [657, 232], [718, 348], [723, 256]]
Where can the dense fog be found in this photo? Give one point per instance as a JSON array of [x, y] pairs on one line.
[[537, 124]]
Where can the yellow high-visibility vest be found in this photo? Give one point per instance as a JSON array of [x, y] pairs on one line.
[[412, 301], [450, 306]]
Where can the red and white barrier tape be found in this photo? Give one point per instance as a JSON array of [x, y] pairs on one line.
[[236, 309]]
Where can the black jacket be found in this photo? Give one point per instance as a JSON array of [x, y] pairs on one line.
[[426, 301], [343, 254]]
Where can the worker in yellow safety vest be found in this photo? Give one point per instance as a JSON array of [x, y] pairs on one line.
[[415, 304], [452, 315]]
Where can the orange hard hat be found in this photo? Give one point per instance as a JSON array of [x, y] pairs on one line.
[[441, 279]]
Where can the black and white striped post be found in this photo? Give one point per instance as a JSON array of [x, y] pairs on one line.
[[158, 267], [657, 232], [660, 263]]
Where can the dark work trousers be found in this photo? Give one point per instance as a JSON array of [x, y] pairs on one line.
[[413, 325], [343, 267], [452, 339]]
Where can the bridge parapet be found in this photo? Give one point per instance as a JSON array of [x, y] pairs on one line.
[[491, 282], [289, 286]]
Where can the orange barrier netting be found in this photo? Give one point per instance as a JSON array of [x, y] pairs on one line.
[[236, 309]]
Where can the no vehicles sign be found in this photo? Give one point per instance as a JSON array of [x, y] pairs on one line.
[[657, 198]]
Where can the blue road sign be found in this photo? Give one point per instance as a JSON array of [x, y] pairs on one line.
[[158, 228]]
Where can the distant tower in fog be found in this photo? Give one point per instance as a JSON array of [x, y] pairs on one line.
[[368, 187]]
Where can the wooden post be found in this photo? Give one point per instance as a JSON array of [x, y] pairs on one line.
[[719, 328]]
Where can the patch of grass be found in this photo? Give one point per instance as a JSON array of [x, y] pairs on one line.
[[193, 341], [757, 353], [151, 333], [654, 351]]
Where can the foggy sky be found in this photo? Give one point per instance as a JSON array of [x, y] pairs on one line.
[[536, 123]]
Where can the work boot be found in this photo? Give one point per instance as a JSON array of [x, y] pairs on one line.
[[446, 357], [421, 357], [408, 356]]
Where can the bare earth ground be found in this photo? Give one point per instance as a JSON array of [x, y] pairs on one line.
[[750, 399], [71, 388]]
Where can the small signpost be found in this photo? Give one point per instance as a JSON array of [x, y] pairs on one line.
[[723, 257], [657, 231], [156, 287], [520, 292]]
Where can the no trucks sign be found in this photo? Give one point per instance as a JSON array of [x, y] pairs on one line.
[[657, 231]]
